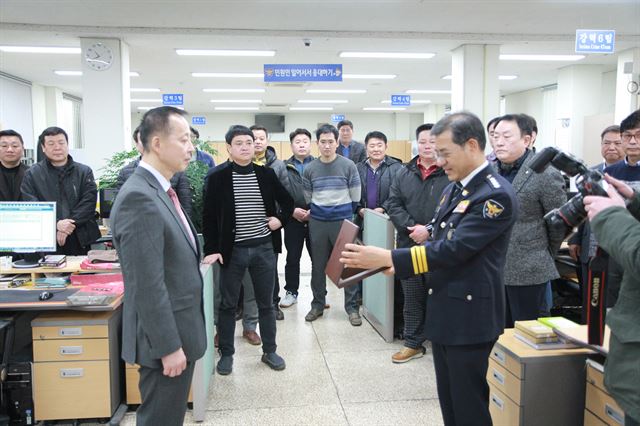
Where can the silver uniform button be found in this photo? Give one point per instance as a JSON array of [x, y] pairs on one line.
[[469, 297], [443, 224], [430, 291]]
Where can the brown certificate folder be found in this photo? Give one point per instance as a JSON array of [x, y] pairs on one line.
[[336, 271]]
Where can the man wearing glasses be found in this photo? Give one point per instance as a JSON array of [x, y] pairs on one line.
[[627, 170]]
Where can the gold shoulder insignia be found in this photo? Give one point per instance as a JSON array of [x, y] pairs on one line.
[[442, 198], [492, 209]]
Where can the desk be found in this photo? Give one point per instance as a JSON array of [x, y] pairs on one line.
[[203, 372]]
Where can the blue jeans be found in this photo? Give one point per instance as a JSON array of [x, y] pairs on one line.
[[260, 262]]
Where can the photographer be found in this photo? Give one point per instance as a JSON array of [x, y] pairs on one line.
[[618, 232]]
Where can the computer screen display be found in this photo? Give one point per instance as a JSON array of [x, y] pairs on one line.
[[28, 227]]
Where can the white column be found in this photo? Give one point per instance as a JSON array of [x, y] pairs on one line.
[[403, 126], [474, 80], [106, 105], [433, 113], [54, 107], [578, 97], [627, 102]]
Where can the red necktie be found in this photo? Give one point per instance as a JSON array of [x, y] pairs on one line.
[[176, 203]]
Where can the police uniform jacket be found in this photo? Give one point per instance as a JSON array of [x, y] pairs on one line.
[[618, 233], [466, 257]]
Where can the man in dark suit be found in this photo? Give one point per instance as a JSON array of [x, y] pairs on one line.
[[163, 320], [465, 255], [245, 206], [347, 146]]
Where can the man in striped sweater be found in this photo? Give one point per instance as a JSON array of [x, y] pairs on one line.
[[332, 189], [241, 231]]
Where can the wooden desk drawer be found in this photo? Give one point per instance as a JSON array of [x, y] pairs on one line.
[[603, 406], [595, 376], [70, 332], [503, 358], [71, 390], [504, 381], [591, 419], [70, 350], [504, 412]]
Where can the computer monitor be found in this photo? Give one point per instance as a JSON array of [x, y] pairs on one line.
[[28, 227], [107, 197]]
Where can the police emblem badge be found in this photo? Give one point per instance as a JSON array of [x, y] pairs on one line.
[[492, 209]]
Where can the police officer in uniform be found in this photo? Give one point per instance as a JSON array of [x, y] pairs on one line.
[[465, 256]]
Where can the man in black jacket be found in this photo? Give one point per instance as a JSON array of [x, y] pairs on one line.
[[296, 231], [11, 169], [179, 181], [241, 226], [71, 185], [415, 193]]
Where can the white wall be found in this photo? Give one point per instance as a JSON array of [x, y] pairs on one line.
[[386, 122]]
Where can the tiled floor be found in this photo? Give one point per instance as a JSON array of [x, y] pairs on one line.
[[336, 374]]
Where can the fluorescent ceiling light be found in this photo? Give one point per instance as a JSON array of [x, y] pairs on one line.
[[500, 77], [233, 90], [323, 101], [413, 101], [541, 57], [429, 92], [350, 91], [227, 74], [134, 74], [68, 73], [237, 108], [40, 49], [236, 101], [140, 89], [147, 108], [389, 55], [310, 108], [146, 100], [382, 109], [224, 52], [369, 76]]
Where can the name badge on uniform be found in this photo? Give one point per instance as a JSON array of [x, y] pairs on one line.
[[462, 206]]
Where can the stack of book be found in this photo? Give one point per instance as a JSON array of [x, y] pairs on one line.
[[539, 333]]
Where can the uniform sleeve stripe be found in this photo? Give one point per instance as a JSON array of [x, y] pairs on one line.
[[414, 260], [423, 256]]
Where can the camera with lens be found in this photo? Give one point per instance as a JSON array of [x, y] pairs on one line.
[[588, 182]]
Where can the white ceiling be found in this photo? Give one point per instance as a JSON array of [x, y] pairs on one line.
[[153, 29]]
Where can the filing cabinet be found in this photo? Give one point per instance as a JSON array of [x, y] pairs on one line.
[[535, 387], [600, 407], [76, 368]]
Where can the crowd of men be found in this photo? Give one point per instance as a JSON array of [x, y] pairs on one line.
[[474, 253]]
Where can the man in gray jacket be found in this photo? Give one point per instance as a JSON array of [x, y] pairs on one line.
[[533, 245]]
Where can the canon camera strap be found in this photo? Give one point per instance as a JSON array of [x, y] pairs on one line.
[[596, 297]]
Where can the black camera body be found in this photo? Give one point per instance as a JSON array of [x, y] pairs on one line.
[[588, 182]]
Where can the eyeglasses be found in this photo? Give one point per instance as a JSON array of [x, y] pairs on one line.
[[626, 136]]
